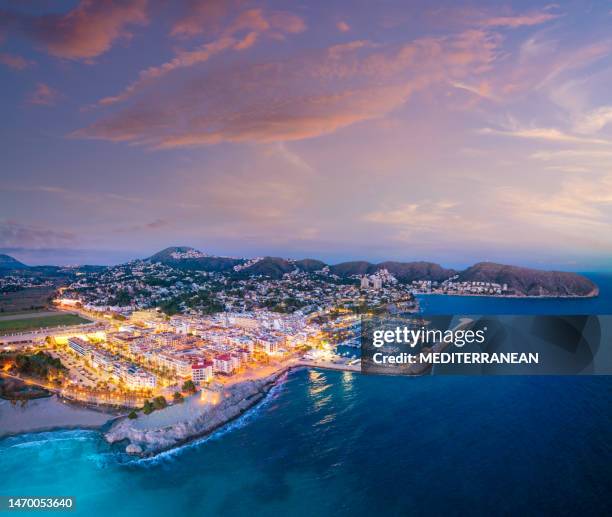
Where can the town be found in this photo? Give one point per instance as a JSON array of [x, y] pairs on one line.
[[184, 321]]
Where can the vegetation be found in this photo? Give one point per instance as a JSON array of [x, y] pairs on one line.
[[189, 387], [133, 415], [38, 365], [14, 389], [8, 326], [204, 302], [178, 397], [159, 402], [147, 408], [121, 299], [28, 299]]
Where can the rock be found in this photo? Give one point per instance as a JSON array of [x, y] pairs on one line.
[[238, 399], [132, 448]]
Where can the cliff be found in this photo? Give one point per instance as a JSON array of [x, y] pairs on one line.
[[180, 423], [531, 282]]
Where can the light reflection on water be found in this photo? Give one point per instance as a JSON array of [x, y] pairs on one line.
[[333, 443]]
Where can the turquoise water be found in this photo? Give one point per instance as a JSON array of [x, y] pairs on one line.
[[331, 443]]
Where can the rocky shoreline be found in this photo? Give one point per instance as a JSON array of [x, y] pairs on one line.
[[148, 440]]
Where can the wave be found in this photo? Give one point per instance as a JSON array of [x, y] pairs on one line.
[[238, 423], [47, 437]]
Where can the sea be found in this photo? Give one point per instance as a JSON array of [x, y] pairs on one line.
[[339, 443]]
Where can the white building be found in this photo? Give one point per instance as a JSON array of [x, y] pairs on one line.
[[78, 345], [223, 363], [179, 366], [137, 379], [202, 371]]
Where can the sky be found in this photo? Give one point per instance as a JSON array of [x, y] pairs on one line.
[[452, 131]]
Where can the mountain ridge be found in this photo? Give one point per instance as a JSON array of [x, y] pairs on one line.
[[8, 262], [524, 281]]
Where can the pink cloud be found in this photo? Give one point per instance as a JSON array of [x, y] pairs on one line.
[[253, 22], [14, 61], [343, 26], [202, 16], [308, 96], [43, 95], [522, 20], [85, 32]]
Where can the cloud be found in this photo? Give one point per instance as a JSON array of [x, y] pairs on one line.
[[580, 207], [14, 61], [156, 224], [201, 16], [85, 32], [251, 23], [43, 95], [594, 121], [343, 26], [428, 219], [481, 90], [569, 154], [547, 134], [14, 234], [308, 96], [424, 215], [521, 20]]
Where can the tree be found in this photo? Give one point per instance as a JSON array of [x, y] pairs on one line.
[[189, 387], [133, 415], [147, 408], [178, 397], [159, 402]]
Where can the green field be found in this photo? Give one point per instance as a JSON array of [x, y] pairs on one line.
[[20, 325]]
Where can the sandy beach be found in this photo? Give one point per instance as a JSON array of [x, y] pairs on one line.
[[46, 414]]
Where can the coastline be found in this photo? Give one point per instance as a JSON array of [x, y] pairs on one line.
[[145, 441], [593, 294], [148, 441], [49, 414]]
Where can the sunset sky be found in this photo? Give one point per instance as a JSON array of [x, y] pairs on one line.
[[445, 131]]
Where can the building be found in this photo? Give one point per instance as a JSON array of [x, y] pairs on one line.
[[376, 282], [365, 282], [223, 363], [201, 371], [177, 365], [100, 359], [78, 345], [138, 379], [269, 345]]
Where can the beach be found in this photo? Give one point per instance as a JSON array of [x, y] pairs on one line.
[[45, 414], [199, 415]]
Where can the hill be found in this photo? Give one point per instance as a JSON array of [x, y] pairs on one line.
[[183, 257], [523, 281], [403, 271], [8, 262], [272, 267], [531, 282], [309, 265], [409, 271], [358, 267]]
